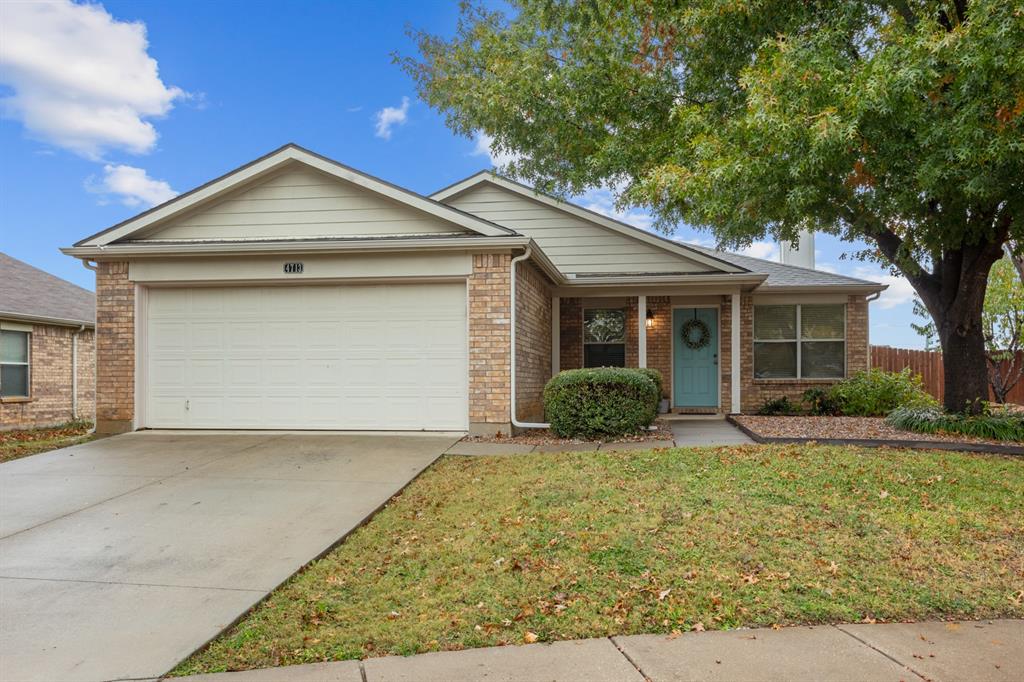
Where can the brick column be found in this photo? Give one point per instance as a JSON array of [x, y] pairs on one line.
[[856, 334], [632, 334], [570, 337], [490, 357], [659, 340], [115, 348]]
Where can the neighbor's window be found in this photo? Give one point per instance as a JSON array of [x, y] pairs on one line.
[[604, 337], [800, 341], [13, 364]]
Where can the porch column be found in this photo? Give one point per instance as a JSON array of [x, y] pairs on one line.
[[641, 337], [556, 337], [735, 360]]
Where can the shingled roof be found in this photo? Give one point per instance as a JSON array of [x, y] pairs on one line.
[[28, 293], [780, 275]]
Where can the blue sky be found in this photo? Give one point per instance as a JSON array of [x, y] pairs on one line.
[[109, 108]]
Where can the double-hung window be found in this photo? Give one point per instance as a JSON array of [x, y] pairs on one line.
[[801, 341], [14, 364], [604, 337]]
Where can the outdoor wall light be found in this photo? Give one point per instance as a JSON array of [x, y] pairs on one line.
[[650, 319]]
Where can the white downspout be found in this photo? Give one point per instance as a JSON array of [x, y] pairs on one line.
[[512, 300]]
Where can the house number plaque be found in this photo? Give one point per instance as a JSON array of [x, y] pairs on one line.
[[293, 268]]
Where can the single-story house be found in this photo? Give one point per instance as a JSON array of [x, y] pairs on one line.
[[47, 348], [299, 293]]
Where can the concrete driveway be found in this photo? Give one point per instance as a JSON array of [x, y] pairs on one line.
[[120, 557]]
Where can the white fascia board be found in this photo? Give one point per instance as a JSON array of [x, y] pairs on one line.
[[851, 289], [163, 249], [267, 164], [43, 320], [585, 214]]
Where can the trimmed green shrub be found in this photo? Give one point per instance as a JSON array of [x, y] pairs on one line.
[[659, 381], [776, 406], [821, 402], [999, 425], [601, 402], [876, 393]]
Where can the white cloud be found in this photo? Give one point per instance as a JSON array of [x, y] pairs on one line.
[[132, 186], [764, 250], [81, 79], [389, 117], [484, 146]]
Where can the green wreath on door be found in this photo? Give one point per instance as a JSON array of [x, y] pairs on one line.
[[703, 336]]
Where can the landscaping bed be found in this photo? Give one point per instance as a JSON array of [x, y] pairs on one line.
[[847, 428], [660, 432], [17, 444], [489, 551]]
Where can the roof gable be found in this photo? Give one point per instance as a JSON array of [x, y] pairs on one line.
[[576, 239], [299, 184]]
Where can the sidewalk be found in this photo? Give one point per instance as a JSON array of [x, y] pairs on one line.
[[979, 651], [697, 432]]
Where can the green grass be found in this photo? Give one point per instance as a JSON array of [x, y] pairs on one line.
[[487, 551], [18, 444]]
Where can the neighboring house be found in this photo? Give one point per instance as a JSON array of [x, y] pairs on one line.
[[47, 348], [298, 293]]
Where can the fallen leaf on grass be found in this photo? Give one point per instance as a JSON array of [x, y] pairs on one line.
[[530, 637]]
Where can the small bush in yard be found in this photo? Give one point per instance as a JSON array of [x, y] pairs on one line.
[[776, 406], [1001, 425], [821, 402], [876, 393], [659, 381], [600, 402]]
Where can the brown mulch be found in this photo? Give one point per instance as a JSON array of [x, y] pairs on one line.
[[861, 428], [545, 437]]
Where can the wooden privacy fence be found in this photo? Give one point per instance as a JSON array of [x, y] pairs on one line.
[[929, 365]]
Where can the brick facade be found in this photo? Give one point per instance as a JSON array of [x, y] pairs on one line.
[[115, 348], [533, 341], [570, 333], [50, 402], [756, 391], [489, 340]]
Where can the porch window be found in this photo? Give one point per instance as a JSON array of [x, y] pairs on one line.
[[800, 341], [604, 337], [14, 364]]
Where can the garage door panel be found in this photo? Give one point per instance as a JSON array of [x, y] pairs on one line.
[[324, 357]]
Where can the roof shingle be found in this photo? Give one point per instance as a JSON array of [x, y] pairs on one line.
[[26, 291], [780, 275]]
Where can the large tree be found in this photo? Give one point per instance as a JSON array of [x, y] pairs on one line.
[[896, 123]]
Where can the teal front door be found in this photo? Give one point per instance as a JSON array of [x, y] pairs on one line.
[[695, 363]]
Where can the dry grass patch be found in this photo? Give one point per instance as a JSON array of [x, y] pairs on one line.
[[22, 443], [487, 551]]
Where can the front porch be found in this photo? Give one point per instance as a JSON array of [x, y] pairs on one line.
[[648, 331]]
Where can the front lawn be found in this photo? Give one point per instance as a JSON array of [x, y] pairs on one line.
[[487, 551], [17, 444]]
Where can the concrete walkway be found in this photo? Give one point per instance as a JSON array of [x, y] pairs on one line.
[[120, 557], [686, 433], [984, 651]]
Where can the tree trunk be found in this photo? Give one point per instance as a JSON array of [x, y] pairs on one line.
[[964, 365]]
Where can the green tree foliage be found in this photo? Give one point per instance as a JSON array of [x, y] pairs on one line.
[[899, 123], [1003, 321]]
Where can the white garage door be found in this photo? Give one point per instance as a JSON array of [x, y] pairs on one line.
[[307, 357]]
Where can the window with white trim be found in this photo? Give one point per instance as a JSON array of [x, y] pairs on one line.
[[14, 364], [800, 341], [604, 337]]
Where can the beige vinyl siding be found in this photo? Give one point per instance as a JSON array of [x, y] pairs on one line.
[[301, 202], [573, 244]]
